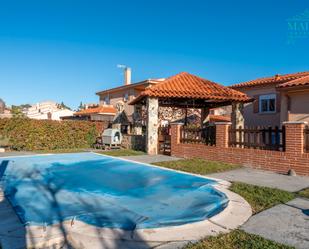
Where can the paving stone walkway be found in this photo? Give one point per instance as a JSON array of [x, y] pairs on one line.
[[265, 178], [285, 223], [16, 153]]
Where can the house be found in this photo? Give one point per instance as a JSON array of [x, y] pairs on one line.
[[277, 99], [2, 106], [4, 111], [104, 113], [119, 98], [132, 119], [47, 110]]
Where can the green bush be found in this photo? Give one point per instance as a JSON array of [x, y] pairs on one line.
[[30, 134]]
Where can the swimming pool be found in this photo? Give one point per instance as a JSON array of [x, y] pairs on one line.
[[105, 192]]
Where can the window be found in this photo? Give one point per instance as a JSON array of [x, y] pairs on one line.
[[267, 103], [106, 100], [124, 129], [126, 97]]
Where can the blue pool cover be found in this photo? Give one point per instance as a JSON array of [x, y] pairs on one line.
[[105, 192]]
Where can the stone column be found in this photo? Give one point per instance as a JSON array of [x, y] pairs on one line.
[[238, 119], [152, 125], [204, 114], [237, 115], [137, 120]]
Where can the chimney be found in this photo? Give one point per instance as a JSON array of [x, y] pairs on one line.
[[127, 76]]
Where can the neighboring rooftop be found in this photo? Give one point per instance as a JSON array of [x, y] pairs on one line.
[[219, 118], [298, 82], [107, 110], [276, 79], [185, 85]]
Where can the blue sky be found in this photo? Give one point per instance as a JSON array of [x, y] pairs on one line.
[[67, 50]]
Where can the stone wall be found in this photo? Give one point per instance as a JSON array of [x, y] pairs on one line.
[[134, 142]]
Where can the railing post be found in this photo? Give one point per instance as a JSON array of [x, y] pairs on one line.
[[222, 134], [294, 137]]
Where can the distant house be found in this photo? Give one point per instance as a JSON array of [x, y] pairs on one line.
[[4, 111], [278, 98], [97, 113], [2, 106], [47, 110]]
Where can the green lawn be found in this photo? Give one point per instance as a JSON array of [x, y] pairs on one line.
[[122, 152], [198, 166], [261, 198], [304, 193], [236, 239]]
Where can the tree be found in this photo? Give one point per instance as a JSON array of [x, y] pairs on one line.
[[63, 106], [81, 106], [17, 111]]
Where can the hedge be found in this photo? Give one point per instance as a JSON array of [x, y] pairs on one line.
[[30, 134]]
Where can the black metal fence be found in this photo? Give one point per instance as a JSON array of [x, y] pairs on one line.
[[264, 138], [206, 135]]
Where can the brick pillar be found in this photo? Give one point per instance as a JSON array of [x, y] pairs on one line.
[[175, 138], [294, 133], [222, 134]]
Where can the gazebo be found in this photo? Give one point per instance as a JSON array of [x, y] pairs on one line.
[[185, 90]]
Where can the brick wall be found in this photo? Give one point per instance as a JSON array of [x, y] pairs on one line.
[[293, 158]]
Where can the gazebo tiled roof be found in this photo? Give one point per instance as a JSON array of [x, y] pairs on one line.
[[188, 86]]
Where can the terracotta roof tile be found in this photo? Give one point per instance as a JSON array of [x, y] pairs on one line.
[[185, 85], [219, 118], [298, 82], [276, 79], [140, 84], [98, 110]]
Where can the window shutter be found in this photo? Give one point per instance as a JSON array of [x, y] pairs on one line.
[[256, 103], [278, 102]]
